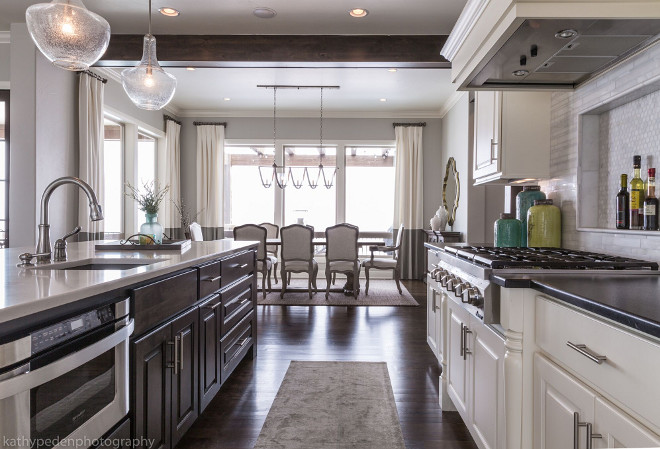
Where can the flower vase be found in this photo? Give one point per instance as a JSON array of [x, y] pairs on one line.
[[151, 228]]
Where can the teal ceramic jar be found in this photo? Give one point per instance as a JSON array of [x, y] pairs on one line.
[[507, 231], [525, 200], [544, 225]]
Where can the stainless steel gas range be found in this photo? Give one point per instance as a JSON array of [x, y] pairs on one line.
[[465, 271]]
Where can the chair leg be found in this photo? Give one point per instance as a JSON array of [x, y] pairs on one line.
[[356, 282], [366, 287], [288, 282], [316, 273], [283, 277], [309, 285], [334, 278], [270, 288], [264, 274], [328, 277], [397, 276], [275, 271]]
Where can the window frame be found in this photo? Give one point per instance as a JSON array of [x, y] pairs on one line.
[[5, 96]]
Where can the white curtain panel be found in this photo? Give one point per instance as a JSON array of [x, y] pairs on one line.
[[210, 158], [171, 218], [90, 125], [409, 178]]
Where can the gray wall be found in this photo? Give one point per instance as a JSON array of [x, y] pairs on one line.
[[116, 98], [308, 128], [5, 51]]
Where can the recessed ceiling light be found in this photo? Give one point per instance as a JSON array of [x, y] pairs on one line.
[[392, 70], [226, 98], [169, 12], [383, 99], [264, 13], [521, 72], [566, 34], [190, 69], [358, 12]]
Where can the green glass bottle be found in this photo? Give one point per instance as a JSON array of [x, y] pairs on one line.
[[637, 195]]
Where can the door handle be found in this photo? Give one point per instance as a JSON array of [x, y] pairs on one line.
[[215, 279], [462, 351], [466, 351], [591, 436], [180, 352], [582, 349], [175, 343]]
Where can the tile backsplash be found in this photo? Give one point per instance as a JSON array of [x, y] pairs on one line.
[[633, 128]]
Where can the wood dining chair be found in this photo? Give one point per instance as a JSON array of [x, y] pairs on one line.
[[272, 250], [342, 254], [196, 232], [297, 255], [385, 263], [257, 233]]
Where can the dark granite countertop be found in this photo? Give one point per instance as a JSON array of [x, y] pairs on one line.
[[631, 300]]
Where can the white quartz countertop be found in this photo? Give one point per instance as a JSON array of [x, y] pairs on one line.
[[34, 289]]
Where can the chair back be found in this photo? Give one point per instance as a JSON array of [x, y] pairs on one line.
[[297, 243], [255, 233], [196, 232], [273, 232], [399, 242], [342, 241]]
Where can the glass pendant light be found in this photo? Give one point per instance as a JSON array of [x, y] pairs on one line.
[[67, 33], [147, 84], [329, 178]]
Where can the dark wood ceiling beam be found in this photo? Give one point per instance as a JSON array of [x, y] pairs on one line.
[[281, 51]]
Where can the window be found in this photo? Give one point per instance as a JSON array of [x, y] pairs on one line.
[[316, 207], [146, 159], [370, 187], [248, 200], [113, 179], [4, 168]]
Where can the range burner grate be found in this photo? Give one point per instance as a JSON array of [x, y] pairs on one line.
[[547, 258]]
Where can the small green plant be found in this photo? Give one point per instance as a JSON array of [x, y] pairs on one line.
[[149, 197]]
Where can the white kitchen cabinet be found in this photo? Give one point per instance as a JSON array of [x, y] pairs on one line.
[[511, 136], [620, 430], [432, 322], [558, 396], [475, 381]]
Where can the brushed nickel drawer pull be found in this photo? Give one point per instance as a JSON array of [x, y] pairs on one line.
[[180, 338], [466, 351], [215, 279], [242, 266], [244, 301], [582, 349], [242, 342], [591, 436]]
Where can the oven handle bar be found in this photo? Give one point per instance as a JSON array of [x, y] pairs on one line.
[[31, 379]]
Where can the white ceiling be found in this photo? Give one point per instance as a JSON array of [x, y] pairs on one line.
[[293, 16], [409, 92]]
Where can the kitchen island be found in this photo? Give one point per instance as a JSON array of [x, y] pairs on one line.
[[169, 327]]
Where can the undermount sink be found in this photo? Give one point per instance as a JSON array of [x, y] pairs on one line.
[[99, 264]]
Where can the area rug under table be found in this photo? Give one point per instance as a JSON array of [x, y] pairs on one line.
[[322, 405], [381, 293]]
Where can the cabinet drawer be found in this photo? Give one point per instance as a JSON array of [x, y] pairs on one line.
[[209, 279], [235, 267], [626, 376], [118, 438], [156, 302], [236, 344], [236, 303]]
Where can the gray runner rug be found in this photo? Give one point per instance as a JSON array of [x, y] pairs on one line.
[[381, 293], [322, 405]]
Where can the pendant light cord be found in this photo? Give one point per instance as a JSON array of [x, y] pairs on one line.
[[274, 125], [321, 133], [149, 17]]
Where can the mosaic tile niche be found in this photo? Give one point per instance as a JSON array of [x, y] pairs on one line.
[[624, 132]]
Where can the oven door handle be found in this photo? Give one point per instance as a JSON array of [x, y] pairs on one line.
[[27, 381]]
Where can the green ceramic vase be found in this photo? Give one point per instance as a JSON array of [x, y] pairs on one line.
[[544, 225], [525, 200], [507, 231]]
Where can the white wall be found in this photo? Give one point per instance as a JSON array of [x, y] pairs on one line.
[[308, 128]]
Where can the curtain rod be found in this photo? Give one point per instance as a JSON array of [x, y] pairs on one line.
[[287, 86], [210, 123], [171, 119], [409, 124], [94, 75]]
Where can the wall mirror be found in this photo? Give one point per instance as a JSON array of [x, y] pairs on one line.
[[451, 190]]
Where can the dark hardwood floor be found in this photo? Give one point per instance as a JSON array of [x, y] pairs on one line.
[[396, 335]]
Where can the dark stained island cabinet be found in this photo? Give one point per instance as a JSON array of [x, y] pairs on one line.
[[192, 329]]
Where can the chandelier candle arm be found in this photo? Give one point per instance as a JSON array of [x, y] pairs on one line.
[[67, 33]]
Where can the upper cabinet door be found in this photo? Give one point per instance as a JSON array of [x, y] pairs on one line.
[[619, 430], [487, 132]]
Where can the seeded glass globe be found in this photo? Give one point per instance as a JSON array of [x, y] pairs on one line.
[[147, 84], [67, 33]]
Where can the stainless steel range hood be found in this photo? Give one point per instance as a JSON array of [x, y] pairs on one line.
[[530, 45]]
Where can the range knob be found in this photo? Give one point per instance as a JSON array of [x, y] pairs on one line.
[[460, 288], [444, 279], [474, 297], [440, 273], [451, 283]]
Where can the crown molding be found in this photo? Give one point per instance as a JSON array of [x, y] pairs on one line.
[[5, 37], [451, 102], [471, 13], [206, 113]]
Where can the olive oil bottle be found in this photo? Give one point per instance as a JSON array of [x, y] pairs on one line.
[[622, 205], [637, 196]]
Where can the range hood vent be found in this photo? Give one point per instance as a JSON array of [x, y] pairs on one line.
[[550, 53]]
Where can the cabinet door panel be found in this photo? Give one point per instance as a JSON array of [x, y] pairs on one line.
[[486, 372], [184, 383], [620, 430], [431, 325], [456, 364], [209, 351], [151, 387], [557, 396], [486, 129]]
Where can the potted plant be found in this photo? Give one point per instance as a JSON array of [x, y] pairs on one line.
[[149, 199], [185, 216]]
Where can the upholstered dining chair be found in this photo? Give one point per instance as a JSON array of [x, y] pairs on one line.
[[385, 263], [342, 254], [271, 250], [196, 232], [258, 234], [297, 255]]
